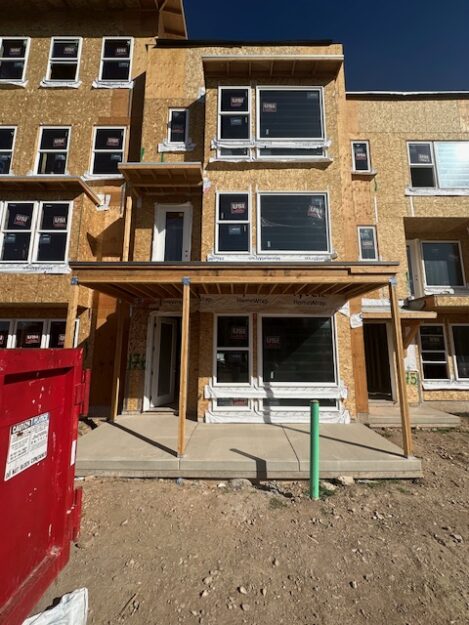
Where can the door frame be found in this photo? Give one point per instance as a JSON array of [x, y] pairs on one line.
[[159, 230], [152, 318], [391, 355]]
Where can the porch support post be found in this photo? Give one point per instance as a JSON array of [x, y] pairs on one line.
[[71, 312], [401, 383], [127, 228], [116, 376], [186, 304]]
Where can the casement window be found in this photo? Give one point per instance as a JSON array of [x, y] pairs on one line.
[[32, 333], [35, 232], [178, 126], [298, 350], [13, 56], [361, 156], [116, 59], [288, 118], [460, 335], [7, 141], [64, 59], [234, 123], [439, 164], [108, 150], [232, 350], [442, 263], [53, 151], [433, 352], [233, 223], [367, 243], [293, 222]]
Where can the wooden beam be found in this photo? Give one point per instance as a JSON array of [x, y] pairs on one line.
[[116, 378], [127, 228], [359, 362], [401, 381], [411, 332], [186, 304], [71, 313]]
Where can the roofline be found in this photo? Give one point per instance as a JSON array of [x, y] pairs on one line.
[[407, 94], [275, 57], [220, 43]]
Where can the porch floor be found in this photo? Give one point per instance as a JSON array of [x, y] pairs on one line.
[[145, 446], [386, 414]]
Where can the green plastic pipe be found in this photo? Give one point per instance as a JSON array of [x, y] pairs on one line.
[[314, 451]]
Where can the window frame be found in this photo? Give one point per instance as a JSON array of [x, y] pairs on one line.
[[424, 273], [218, 222], [12, 151], [369, 170], [50, 60], [220, 113], [45, 336], [249, 349], [271, 252], [375, 241], [6, 81], [453, 354], [180, 144], [10, 333], [423, 165], [103, 59], [430, 362], [52, 151], [93, 150], [38, 231]]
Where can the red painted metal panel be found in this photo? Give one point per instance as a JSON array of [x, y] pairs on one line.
[[40, 507]]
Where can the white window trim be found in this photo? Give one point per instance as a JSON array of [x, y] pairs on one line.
[[35, 233], [236, 222], [46, 327], [39, 151], [453, 352], [12, 151], [375, 243], [260, 361], [48, 81], [437, 189], [248, 408], [186, 133], [234, 143], [445, 287], [159, 230], [370, 169], [287, 253], [9, 335], [447, 379], [92, 175], [100, 82], [21, 82], [249, 349]]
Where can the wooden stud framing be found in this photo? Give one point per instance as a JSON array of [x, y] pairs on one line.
[[127, 228], [186, 303], [71, 313], [116, 378], [359, 362]]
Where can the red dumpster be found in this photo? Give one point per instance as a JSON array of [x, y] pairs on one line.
[[42, 394]]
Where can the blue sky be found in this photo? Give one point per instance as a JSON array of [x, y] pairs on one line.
[[405, 45]]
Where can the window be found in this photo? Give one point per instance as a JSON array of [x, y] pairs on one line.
[[433, 352], [233, 228], [116, 60], [35, 232], [64, 59], [289, 115], [293, 222], [57, 334], [108, 150], [178, 126], [4, 333], [361, 156], [367, 240], [7, 140], [439, 164], [442, 263], [32, 333], [298, 350], [232, 354], [53, 151], [234, 122], [13, 53], [461, 350]]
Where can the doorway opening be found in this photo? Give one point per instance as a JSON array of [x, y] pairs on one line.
[[378, 366], [165, 362]]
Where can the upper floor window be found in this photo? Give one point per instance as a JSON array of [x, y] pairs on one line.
[[367, 241], [178, 126], [7, 140], [116, 59], [53, 151], [64, 59], [108, 151], [361, 156], [13, 55], [233, 223], [234, 123], [439, 164], [34, 232], [442, 263]]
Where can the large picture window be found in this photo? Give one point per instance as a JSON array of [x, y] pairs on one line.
[[53, 151], [442, 263], [298, 350], [108, 151], [433, 352], [13, 54], [461, 350], [439, 164], [7, 140], [293, 223], [233, 227], [232, 353]]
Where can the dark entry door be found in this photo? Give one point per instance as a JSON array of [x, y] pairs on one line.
[[378, 373]]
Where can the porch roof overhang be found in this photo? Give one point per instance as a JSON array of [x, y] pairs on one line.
[[272, 65], [61, 183], [444, 303], [148, 178], [137, 281], [405, 314]]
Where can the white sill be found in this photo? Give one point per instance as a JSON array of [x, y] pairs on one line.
[[445, 385], [113, 84], [270, 257], [102, 177], [446, 290], [430, 191], [271, 159], [368, 172], [176, 147], [13, 83], [60, 267], [60, 84]]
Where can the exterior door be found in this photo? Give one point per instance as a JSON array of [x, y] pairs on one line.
[[378, 369], [164, 362], [172, 237]]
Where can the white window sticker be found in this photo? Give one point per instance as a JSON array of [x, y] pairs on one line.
[[28, 444]]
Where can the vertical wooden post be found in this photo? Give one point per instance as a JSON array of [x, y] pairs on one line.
[[71, 312], [127, 228], [359, 362], [116, 376], [401, 383], [186, 304]]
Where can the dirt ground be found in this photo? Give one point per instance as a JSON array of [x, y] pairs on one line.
[[153, 552]]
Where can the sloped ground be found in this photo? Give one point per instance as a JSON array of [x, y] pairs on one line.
[[391, 552]]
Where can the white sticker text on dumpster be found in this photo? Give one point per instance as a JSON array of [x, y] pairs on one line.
[[28, 444]]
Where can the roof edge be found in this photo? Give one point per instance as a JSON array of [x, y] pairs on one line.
[[203, 43]]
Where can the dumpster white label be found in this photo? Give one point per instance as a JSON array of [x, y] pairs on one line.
[[28, 444]]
